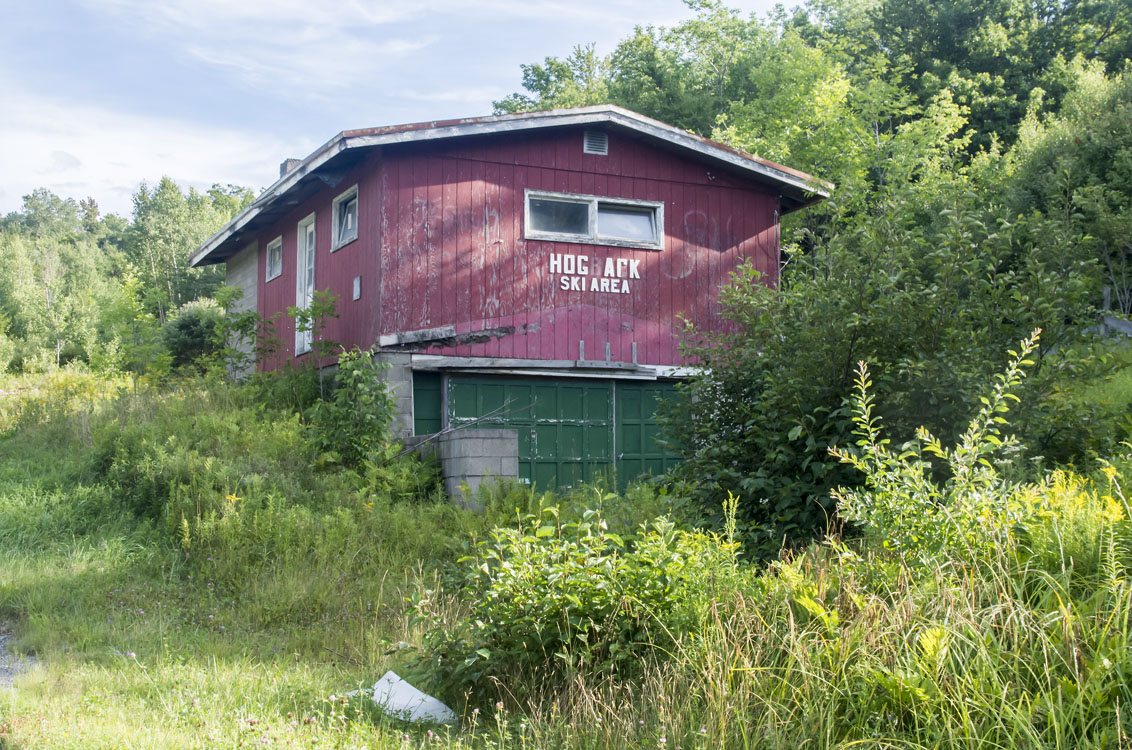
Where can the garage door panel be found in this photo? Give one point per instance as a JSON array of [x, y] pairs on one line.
[[546, 402], [565, 435], [629, 439], [639, 452]]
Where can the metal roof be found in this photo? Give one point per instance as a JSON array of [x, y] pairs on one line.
[[329, 163]]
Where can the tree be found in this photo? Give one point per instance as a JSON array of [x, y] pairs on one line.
[[1076, 167], [167, 226], [577, 81]]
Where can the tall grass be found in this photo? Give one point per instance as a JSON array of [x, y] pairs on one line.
[[188, 580]]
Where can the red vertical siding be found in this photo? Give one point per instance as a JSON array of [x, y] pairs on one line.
[[441, 243]]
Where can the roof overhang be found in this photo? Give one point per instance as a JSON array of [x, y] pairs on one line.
[[330, 162]]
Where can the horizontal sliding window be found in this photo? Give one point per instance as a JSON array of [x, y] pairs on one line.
[[567, 217]]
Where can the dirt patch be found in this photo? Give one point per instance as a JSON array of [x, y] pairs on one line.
[[10, 664]]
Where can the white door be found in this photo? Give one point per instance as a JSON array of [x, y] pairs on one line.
[[304, 275]]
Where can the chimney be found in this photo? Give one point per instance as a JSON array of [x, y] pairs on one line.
[[287, 165]]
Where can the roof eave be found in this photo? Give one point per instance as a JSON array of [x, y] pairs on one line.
[[801, 189]]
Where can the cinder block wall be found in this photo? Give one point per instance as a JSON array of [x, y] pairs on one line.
[[242, 271], [471, 457], [400, 379]]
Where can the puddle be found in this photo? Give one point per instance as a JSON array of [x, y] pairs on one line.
[[11, 665]]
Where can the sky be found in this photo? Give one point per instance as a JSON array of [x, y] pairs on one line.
[[98, 96]]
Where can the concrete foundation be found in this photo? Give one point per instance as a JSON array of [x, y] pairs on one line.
[[468, 458]]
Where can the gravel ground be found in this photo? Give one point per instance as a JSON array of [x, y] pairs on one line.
[[10, 664]]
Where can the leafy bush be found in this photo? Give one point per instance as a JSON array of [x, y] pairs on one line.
[[191, 335], [928, 282], [903, 504], [355, 421], [550, 599], [178, 453]]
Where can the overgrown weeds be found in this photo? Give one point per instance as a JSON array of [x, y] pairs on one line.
[[190, 581]]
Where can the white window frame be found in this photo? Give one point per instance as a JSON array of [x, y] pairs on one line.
[[275, 244], [305, 256], [335, 219], [592, 237]]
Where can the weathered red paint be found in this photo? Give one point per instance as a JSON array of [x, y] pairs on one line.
[[441, 243]]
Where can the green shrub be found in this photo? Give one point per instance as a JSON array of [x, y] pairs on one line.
[[191, 335], [355, 421], [178, 453], [550, 599], [390, 474], [287, 388], [904, 505]]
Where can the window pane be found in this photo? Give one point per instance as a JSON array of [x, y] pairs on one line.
[[626, 223], [274, 260], [348, 220], [560, 217]]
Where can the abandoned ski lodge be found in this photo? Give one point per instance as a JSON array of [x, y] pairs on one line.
[[524, 275]]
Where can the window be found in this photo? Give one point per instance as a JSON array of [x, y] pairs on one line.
[[598, 221], [344, 227], [274, 258], [304, 278]]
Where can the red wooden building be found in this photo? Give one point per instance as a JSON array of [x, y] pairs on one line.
[[531, 269]]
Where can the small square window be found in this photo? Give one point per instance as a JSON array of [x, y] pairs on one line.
[[345, 218], [274, 258]]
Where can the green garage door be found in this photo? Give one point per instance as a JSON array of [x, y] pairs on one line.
[[639, 450], [569, 429]]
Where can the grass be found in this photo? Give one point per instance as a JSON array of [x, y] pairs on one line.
[[167, 614]]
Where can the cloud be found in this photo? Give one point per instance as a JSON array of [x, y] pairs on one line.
[[61, 161], [302, 46], [40, 135], [310, 48]]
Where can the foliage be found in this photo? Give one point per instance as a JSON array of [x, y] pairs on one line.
[[242, 336], [191, 334], [313, 319], [576, 81], [136, 345], [1077, 164], [167, 227], [928, 287], [904, 506], [56, 283], [96, 289], [551, 599], [354, 422], [293, 583]]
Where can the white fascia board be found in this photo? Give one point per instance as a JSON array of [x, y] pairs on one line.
[[670, 371]]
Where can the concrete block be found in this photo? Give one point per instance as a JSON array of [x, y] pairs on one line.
[[472, 457]]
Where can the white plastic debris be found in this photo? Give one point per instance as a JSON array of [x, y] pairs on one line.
[[403, 701]]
